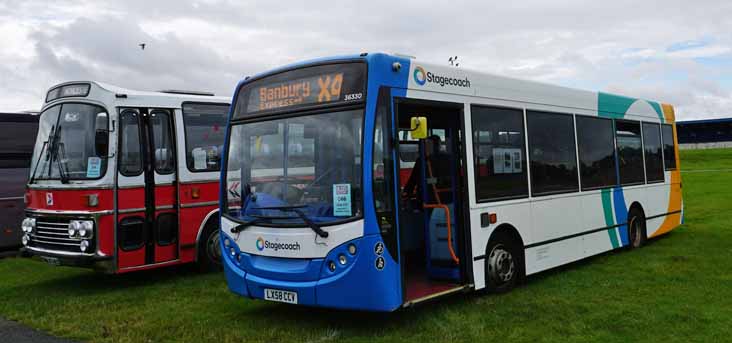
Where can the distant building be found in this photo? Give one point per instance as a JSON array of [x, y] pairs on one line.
[[705, 134]]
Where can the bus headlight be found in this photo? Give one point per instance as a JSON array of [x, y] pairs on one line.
[[342, 259], [87, 229], [81, 229], [352, 249], [28, 225], [25, 239], [84, 245]]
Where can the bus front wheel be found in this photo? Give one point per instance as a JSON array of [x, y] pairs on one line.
[[209, 250], [502, 268]]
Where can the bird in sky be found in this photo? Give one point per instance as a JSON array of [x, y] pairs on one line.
[[142, 46]]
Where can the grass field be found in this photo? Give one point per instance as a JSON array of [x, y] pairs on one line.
[[677, 288]]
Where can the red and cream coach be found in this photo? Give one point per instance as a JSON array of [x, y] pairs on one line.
[[124, 180]]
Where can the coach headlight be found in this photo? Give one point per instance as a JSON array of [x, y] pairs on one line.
[[28, 225]]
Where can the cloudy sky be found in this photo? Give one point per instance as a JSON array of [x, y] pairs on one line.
[[673, 51]]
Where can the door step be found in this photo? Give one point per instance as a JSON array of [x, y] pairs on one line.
[[436, 295]]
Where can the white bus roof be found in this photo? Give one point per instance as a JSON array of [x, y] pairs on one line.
[[113, 96]]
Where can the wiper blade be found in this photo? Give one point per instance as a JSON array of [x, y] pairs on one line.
[[45, 149], [38, 162], [297, 209], [55, 148], [241, 227]]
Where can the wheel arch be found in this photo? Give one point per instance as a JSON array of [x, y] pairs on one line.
[[210, 219], [509, 231], [637, 207]]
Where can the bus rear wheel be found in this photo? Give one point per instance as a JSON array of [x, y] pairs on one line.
[[636, 230], [501, 265], [209, 250]]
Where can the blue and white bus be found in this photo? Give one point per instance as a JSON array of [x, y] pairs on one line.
[[375, 182]]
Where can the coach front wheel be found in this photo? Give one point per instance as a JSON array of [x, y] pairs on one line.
[[501, 265]]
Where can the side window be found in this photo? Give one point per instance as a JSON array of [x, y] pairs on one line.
[[499, 149], [205, 126], [669, 148], [163, 142], [552, 153], [595, 142], [630, 152], [653, 155], [16, 143], [130, 159]]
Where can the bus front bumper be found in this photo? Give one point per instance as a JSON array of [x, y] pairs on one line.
[[357, 285], [63, 258]]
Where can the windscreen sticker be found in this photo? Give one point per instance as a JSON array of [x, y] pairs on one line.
[[342, 200], [93, 167]]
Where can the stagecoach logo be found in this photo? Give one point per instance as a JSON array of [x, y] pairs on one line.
[[264, 244], [260, 244], [421, 77], [49, 199]]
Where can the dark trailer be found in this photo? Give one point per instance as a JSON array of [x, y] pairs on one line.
[[17, 137]]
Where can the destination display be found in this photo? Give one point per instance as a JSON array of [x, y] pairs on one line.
[[307, 87]]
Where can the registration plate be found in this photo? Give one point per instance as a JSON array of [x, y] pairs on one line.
[[280, 296], [51, 260]]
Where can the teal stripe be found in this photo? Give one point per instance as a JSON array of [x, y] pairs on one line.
[[658, 109], [607, 209]]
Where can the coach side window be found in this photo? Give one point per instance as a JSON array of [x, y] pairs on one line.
[[630, 152], [499, 149], [653, 156], [595, 142], [205, 127], [669, 148], [552, 153]]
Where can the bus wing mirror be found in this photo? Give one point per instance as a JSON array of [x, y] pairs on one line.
[[101, 136], [101, 143], [419, 127], [101, 122]]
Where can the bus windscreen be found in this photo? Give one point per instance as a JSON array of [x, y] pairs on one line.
[[303, 88]]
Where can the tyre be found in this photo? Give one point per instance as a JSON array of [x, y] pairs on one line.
[[636, 230], [209, 250], [502, 265]]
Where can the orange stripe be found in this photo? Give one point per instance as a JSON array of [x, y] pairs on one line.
[[674, 199]]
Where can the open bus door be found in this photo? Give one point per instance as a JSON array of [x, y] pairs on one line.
[[147, 196], [433, 232]]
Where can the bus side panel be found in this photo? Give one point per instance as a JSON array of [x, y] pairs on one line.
[[195, 199], [165, 200], [105, 234], [658, 197], [130, 198], [191, 220], [517, 215], [597, 213]]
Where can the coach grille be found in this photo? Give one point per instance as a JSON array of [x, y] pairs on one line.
[[51, 233]]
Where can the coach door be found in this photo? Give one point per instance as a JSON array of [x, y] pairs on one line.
[[147, 206]]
